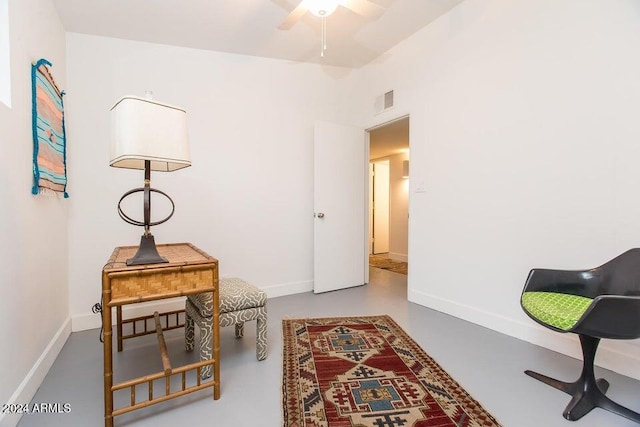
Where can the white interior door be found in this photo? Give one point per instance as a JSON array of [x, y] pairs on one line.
[[340, 175], [381, 207]]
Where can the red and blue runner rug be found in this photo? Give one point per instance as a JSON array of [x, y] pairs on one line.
[[367, 372]]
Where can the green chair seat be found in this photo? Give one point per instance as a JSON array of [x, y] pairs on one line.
[[561, 311]]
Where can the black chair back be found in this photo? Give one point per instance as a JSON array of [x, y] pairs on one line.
[[621, 275]]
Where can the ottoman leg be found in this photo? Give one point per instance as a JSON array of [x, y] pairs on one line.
[[239, 329], [206, 345], [261, 337], [189, 332]]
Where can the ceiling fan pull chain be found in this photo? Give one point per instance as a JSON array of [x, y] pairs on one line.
[[324, 26], [323, 35]]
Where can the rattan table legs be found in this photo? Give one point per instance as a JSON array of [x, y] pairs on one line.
[[188, 271], [108, 361], [166, 374]]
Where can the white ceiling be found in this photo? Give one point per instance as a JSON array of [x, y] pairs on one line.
[[390, 139], [248, 27]]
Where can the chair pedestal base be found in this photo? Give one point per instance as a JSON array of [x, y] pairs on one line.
[[587, 392]]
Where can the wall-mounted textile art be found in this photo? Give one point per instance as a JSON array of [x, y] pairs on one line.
[[49, 140]]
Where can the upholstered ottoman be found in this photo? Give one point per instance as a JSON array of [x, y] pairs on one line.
[[239, 302]]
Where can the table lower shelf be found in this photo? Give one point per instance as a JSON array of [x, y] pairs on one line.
[[143, 391], [151, 399], [142, 325]]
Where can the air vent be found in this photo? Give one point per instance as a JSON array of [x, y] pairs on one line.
[[388, 99], [384, 102]]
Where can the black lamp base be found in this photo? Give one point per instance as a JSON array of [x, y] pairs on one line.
[[147, 252]]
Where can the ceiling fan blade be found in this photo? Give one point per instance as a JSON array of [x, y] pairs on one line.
[[294, 16], [365, 8]]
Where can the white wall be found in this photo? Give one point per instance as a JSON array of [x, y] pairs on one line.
[[34, 309], [248, 197], [398, 207], [399, 212], [524, 133], [5, 63]]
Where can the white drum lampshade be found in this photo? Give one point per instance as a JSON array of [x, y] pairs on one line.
[[143, 129]]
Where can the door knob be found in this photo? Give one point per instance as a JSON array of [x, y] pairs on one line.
[[320, 215]]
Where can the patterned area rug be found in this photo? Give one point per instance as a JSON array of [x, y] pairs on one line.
[[379, 261], [367, 372]]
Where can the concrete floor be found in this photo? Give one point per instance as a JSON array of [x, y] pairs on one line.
[[487, 364]]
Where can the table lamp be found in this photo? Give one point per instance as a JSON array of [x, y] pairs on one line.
[[148, 135]]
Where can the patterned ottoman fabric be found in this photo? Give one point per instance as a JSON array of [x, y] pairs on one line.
[[192, 318], [239, 302], [235, 294], [561, 311]]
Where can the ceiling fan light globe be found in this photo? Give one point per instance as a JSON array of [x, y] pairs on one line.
[[323, 8]]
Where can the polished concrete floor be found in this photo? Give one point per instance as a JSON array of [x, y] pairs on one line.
[[487, 364]]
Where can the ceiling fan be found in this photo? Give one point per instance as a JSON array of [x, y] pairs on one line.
[[324, 8]]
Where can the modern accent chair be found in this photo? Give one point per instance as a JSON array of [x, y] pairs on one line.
[[603, 302]]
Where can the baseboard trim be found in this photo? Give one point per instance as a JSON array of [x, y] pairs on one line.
[[616, 355], [29, 386], [86, 321], [288, 288]]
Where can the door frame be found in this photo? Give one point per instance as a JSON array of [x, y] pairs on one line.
[[367, 153]]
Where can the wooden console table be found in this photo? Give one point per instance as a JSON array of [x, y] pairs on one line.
[[189, 271]]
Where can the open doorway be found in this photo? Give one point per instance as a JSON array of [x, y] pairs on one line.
[[389, 196], [379, 208]]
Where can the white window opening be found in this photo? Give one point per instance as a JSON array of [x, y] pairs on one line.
[[5, 66]]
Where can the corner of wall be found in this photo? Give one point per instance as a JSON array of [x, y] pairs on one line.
[[31, 383]]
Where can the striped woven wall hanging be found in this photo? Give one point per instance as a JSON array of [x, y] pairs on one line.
[[49, 138]]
